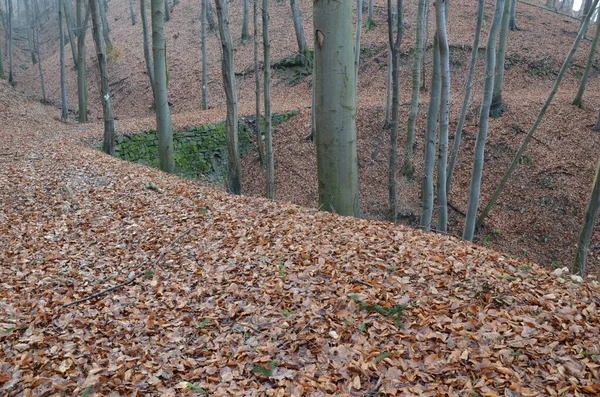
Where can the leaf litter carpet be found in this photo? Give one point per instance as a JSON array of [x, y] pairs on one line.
[[242, 296]]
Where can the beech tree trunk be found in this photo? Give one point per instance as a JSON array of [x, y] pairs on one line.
[[204, 55], [370, 21], [578, 101], [108, 146], [131, 12], [2, 75], [167, 13], [408, 168], [597, 126], [540, 116], [497, 107], [63, 82], [147, 56], [335, 109], [394, 44], [234, 171], [267, 89], [359, 14], [105, 28], [82, 95], [70, 29], [303, 51], [469, 86], [212, 25], [37, 47], [258, 129], [442, 195], [484, 118], [11, 76], [163, 113], [587, 229], [29, 22], [513, 15], [245, 22]]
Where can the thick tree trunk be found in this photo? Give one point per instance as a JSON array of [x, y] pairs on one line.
[[267, 92], [497, 107], [37, 48], [442, 195], [70, 29], [335, 108], [484, 118], [587, 229], [408, 168], [108, 146], [469, 86], [29, 22], [394, 44], [513, 16], [234, 171], [538, 120], [300, 38], [147, 56], [245, 23], [11, 76], [204, 55], [167, 12], [82, 22], [131, 12], [163, 113], [578, 101], [105, 28], [258, 129], [63, 82], [431, 138]]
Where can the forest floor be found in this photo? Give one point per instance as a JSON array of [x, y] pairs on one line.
[[242, 296]]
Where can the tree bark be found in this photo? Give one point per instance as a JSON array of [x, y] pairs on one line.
[[70, 29], [359, 14], [578, 101], [267, 93], [212, 25], [163, 113], [513, 16], [234, 171], [147, 56], [108, 146], [597, 126], [167, 13], [370, 21], [131, 12], [442, 195], [2, 75], [11, 76], [258, 129], [335, 109], [484, 118], [303, 52], [29, 23], [388, 91], [82, 22], [245, 23], [497, 107], [408, 168], [469, 86], [587, 229], [538, 120], [63, 82], [394, 44], [37, 47], [204, 55], [105, 28]]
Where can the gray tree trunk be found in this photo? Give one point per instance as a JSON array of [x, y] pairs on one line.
[[442, 195], [370, 21], [212, 25], [497, 107], [300, 38], [63, 82], [359, 14], [37, 48], [408, 168], [394, 44], [163, 113], [11, 76], [258, 129], [204, 55], [484, 118], [82, 94], [105, 28], [597, 126], [540, 116], [587, 229], [70, 29], [234, 170], [245, 23], [29, 24], [131, 12], [578, 101], [431, 138], [388, 92], [469, 86], [167, 13], [108, 146], [2, 75], [513, 16], [147, 56], [267, 93], [335, 109]]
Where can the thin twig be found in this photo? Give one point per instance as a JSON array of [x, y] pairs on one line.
[[375, 390], [158, 260]]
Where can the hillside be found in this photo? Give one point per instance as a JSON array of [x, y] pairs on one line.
[[242, 296]]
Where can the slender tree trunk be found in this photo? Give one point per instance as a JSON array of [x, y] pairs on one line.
[[394, 44], [131, 12], [82, 94], [538, 120], [105, 28], [2, 75], [245, 23], [597, 126], [497, 107], [63, 82], [335, 108], [442, 194], [204, 56], [163, 113], [258, 129], [408, 168], [234, 175], [359, 15], [513, 16], [108, 146], [11, 76], [212, 25], [147, 56], [37, 47], [431, 138], [469, 86], [578, 101], [303, 52], [70, 29], [167, 13], [29, 23], [370, 21], [587, 229], [388, 92], [267, 89], [484, 118]]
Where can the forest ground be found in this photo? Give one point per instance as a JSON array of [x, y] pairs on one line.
[[239, 295]]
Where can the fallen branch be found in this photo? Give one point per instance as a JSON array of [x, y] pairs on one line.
[[158, 260]]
